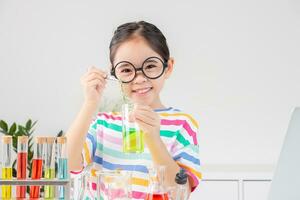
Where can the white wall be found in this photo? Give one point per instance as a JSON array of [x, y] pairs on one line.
[[237, 65]]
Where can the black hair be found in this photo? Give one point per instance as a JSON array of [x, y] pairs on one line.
[[152, 35]]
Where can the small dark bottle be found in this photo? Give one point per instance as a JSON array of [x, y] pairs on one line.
[[181, 180]]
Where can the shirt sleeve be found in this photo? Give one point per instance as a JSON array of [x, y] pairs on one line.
[[90, 144], [186, 151]]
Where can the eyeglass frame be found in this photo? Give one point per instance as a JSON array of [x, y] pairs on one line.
[[165, 65]]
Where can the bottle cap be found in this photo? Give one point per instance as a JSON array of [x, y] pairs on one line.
[[181, 177], [61, 140], [6, 139], [50, 140], [40, 140], [22, 139]]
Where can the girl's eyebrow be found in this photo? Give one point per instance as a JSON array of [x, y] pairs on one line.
[[150, 60], [124, 64]]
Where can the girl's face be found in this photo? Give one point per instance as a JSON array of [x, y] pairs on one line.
[[142, 90]]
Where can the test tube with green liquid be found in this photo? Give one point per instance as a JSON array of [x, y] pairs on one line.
[[50, 167]]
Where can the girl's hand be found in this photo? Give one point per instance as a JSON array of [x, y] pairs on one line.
[[148, 121], [93, 82]]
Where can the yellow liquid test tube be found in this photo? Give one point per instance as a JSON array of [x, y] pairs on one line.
[[6, 166], [6, 175]]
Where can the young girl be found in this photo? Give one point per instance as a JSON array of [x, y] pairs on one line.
[[170, 135]]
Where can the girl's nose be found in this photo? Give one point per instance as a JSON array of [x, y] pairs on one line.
[[140, 78]]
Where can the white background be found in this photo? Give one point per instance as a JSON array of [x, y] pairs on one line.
[[237, 66]]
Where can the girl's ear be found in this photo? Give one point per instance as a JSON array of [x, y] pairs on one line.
[[170, 67]]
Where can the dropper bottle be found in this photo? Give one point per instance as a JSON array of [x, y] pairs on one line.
[[181, 180]]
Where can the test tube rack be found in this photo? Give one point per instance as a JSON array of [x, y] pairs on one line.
[[41, 182]]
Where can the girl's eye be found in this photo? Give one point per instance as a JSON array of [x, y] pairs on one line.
[[150, 67], [126, 70]]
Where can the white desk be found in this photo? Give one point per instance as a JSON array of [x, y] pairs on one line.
[[234, 182]]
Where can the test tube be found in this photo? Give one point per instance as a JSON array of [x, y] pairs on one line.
[[37, 166], [50, 167], [22, 164], [62, 163], [6, 165]]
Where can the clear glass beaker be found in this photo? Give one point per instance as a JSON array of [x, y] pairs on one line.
[[113, 185], [81, 184], [156, 188], [133, 139]]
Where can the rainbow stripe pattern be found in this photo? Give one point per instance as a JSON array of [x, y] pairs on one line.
[[103, 147]]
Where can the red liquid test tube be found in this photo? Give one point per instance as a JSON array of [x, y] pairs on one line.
[[37, 166], [22, 165]]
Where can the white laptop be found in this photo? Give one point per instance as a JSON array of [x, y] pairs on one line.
[[286, 181]]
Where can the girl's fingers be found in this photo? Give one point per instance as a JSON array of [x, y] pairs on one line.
[[91, 77], [96, 78], [148, 120], [94, 75], [149, 114], [97, 71], [143, 107], [94, 71], [144, 125], [94, 83], [131, 117]]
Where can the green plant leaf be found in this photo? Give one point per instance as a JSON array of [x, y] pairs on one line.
[[30, 156], [11, 134], [30, 147], [15, 143], [14, 169], [21, 130], [19, 133], [31, 129], [12, 129], [34, 123], [28, 190], [3, 126], [30, 141], [28, 124]]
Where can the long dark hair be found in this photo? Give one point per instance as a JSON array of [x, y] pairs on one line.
[[152, 35]]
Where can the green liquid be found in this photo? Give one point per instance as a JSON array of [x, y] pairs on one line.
[[49, 190], [133, 141]]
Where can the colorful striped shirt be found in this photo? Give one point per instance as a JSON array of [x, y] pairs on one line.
[[178, 131]]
